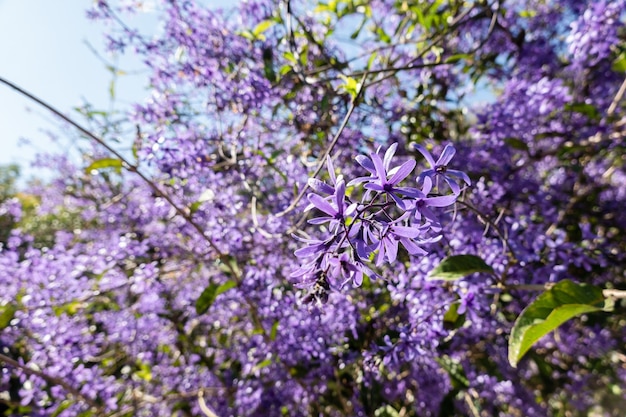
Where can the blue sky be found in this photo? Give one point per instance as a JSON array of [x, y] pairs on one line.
[[43, 50]]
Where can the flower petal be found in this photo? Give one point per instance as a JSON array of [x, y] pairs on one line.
[[428, 185], [391, 247], [340, 195], [391, 151], [426, 154], [441, 201], [380, 168], [331, 169], [446, 155], [405, 231], [402, 172], [320, 186], [412, 247], [366, 163], [320, 220], [322, 204], [460, 174]]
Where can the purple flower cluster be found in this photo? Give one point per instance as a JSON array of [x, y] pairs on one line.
[[372, 229], [594, 35], [102, 277]]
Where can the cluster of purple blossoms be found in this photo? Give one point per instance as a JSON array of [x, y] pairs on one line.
[[371, 229], [595, 33]]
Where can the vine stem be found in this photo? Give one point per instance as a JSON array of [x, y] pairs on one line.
[[51, 379], [128, 166], [330, 146]]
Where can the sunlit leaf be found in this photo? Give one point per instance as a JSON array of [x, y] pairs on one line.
[[7, 312], [554, 307], [104, 163], [459, 266]]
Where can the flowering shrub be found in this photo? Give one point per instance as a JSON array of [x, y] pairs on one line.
[[463, 253]]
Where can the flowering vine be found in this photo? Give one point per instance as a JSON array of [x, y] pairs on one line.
[[372, 228]]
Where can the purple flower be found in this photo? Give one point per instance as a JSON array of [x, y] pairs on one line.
[[320, 186], [388, 239], [440, 168], [314, 246], [384, 180], [336, 212], [347, 269], [422, 205]]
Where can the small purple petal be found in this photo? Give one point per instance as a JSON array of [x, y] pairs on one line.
[[391, 246], [366, 163], [380, 169], [453, 185], [446, 156], [426, 154], [460, 174], [340, 194], [402, 172], [391, 151], [412, 247], [320, 220], [405, 231], [320, 186], [409, 192], [374, 187], [441, 201], [331, 169], [322, 204]]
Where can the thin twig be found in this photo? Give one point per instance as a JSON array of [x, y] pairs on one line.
[[51, 379], [126, 165], [329, 148], [203, 406], [617, 98]]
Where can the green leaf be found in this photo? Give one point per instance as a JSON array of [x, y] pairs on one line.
[[112, 89], [528, 13], [459, 266], [210, 293], [144, 372], [516, 143], [104, 163], [194, 207], [7, 312], [70, 308], [453, 59], [455, 370], [65, 404], [258, 30], [228, 265], [452, 319], [382, 35], [274, 331], [619, 64], [263, 364], [588, 110], [370, 61], [207, 195], [268, 70], [289, 56], [350, 85], [246, 34], [554, 307]]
